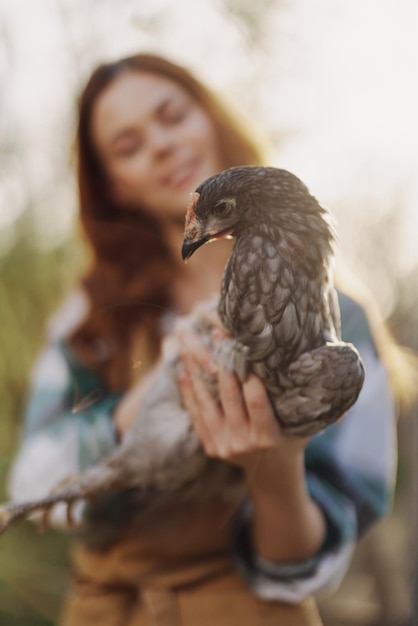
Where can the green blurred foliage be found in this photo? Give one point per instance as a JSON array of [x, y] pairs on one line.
[[33, 567]]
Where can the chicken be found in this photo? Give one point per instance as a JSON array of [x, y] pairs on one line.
[[279, 306], [277, 297]]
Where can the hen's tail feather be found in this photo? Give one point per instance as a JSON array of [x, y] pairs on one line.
[[91, 484], [11, 514]]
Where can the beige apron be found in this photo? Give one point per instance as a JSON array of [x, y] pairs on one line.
[[177, 573]]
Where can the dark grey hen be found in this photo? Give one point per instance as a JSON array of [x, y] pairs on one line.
[[277, 296], [279, 306]]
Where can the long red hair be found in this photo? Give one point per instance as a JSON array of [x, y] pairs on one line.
[[130, 269]]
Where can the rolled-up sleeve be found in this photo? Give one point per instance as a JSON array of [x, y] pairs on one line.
[[68, 424]]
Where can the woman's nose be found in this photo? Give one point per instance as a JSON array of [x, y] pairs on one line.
[[161, 141]]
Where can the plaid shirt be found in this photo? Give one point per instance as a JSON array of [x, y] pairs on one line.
[[350, 467]]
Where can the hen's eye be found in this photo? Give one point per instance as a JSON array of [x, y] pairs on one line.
[[223, 207]]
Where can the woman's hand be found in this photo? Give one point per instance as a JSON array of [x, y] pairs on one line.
[[241, 428]]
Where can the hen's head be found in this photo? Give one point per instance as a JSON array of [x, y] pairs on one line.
[[239, 198]]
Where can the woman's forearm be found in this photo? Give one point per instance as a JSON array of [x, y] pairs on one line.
[[288, 525]]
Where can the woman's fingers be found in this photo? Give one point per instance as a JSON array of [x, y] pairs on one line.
[[192, 407], [242, 422], [263, 423], [204, 410], [235, 412]]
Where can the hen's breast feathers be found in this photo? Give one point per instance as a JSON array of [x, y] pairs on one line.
[[270, 305]]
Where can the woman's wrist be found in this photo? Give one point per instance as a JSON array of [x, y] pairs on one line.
[[287, 524], [276, 471]]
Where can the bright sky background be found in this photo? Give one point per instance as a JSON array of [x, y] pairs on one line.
[[334, 81]]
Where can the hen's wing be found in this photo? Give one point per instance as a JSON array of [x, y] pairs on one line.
[[318, 388], [257, 308]]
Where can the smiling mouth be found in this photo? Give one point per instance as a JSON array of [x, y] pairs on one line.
[[181, 175]]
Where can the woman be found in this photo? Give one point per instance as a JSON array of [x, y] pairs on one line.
[[148, 134]]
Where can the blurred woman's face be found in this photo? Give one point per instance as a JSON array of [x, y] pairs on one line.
[[156, 143]]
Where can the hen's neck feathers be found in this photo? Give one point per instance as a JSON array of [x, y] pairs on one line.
[[306, 240]]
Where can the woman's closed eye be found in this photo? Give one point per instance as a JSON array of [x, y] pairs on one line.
[[174, 114], [127, 147]]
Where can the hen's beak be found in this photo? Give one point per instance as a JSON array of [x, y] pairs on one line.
[[190, 246]]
